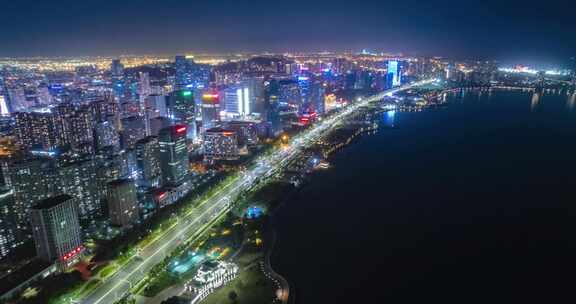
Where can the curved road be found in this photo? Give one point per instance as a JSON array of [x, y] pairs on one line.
[[192, 222]]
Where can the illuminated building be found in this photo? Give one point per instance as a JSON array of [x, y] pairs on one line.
[[238, 100], [132, 131], [148, 162], [31, 180], [220, 144], [10, 235], [246, 131], [117, 72], [122, 202], [210, 110], [78, 179], [80, 132], [144, 91], [156, 105], [4, 109], [56, 230], [173, 154], [182, 110], [183, 72], [394, 73], [106, 136], [38, 130]]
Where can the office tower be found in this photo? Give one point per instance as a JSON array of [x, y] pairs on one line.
[[173, 154], [220, 144], [184, 75], [56, 230], [78, 179], [317, 93], [182, 110], [395, 72], [122, 202], [4, 106], [210, 110], [10, 236], [31, 180], [18, 100], [156, 105], [133, 129], [238, 100], [148, 162], [117, 77], [38, 130], [159, 123], [144, 91], [289, 93]]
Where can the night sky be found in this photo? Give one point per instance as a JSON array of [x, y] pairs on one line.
[[500, 29]]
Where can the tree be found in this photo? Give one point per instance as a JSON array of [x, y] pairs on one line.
[[233, 296]]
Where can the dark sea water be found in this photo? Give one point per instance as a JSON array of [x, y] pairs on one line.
[[471, 203]]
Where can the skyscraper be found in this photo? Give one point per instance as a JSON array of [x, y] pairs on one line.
[[395, 72], [10, 236], [31, 180], [117, 73], [183, 72], [56, 230], [148, 161], [173, 154], [122, 202], [182, 110], [38, 130], [210, 110], [78, 179]]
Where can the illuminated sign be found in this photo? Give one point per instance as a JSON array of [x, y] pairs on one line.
[[210, 96], [181, 129], [186, 93], [72, 253], [228, 133]]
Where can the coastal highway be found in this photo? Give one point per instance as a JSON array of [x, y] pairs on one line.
[[193, 222]]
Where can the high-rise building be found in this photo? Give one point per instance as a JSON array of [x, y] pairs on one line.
[[395, 72], [144, 91], [238, 100], [220, 144], [173, 154], [210, 110], [56, 230], [39, 130], [183, 75], [78, 179], [122, 202], [156, 105], [5, 108], [80, 133], [148, 160], [10, 236], [106, 136], [117, 73], [31, 180], [133, 130], [182, 110]]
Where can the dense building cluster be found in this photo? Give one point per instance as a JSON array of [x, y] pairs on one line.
[[106, 146]]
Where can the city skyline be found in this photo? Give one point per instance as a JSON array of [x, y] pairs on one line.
[[510, 31]]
